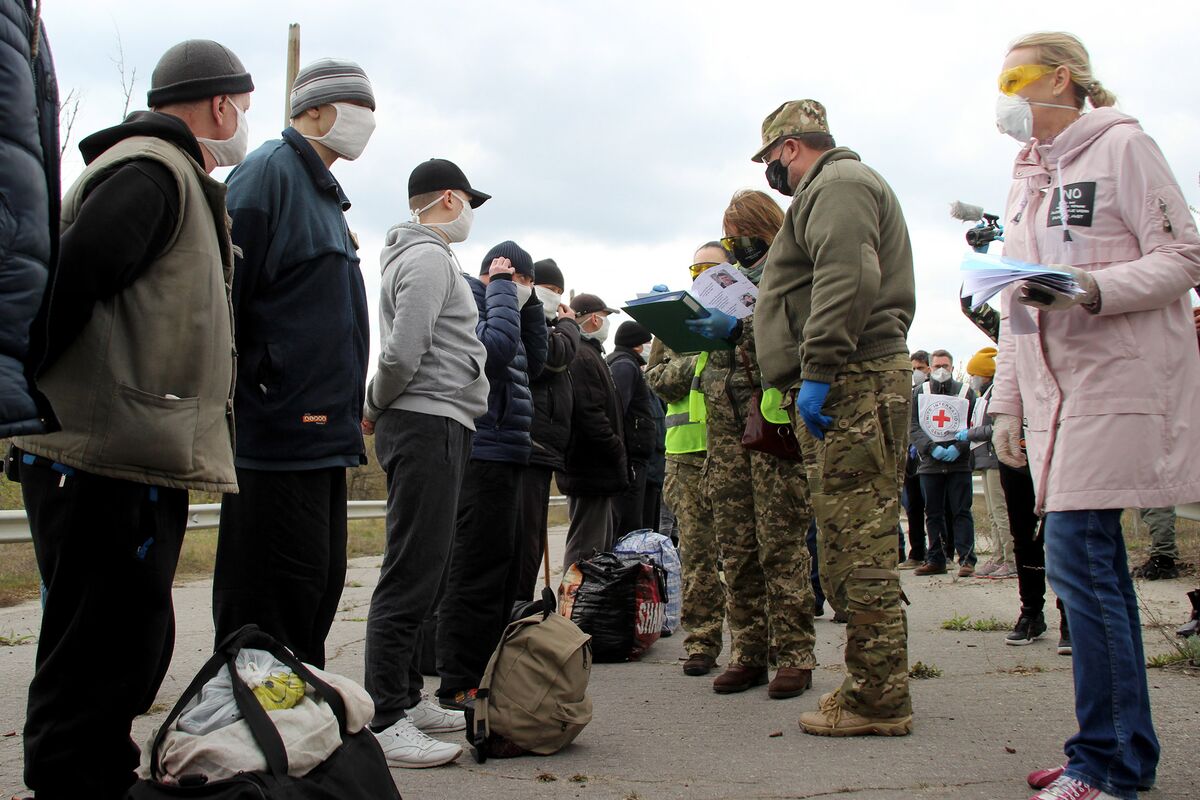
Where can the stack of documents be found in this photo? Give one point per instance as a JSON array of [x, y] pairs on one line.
[[985, 275]]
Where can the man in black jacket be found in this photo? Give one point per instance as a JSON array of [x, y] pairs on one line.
[[944, 469], [300, 307], [29, 248], [596, 469], [637, 420], [552, 406]]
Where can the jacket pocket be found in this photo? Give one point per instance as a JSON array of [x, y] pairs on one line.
[[150, 431], [269, 375]]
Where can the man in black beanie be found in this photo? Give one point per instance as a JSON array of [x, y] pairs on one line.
[[482, 584], [553, 403], [136, 354], [626, 363]]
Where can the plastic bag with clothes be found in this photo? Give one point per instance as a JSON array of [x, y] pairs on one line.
[[665, 555], [275, 685]]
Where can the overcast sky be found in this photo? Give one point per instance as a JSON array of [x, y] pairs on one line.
[[613, 134]]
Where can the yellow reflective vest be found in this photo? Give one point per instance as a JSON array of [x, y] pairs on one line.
[[687, 431]]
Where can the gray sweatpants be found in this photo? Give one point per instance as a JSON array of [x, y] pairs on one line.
[[591, 527], [1161, 522]]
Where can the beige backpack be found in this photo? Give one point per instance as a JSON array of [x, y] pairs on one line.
[[533, 695]]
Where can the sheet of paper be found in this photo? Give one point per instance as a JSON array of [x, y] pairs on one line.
[[985, 275], [727, 289]]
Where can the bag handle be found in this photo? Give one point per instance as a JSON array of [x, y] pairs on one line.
[[226, 655]]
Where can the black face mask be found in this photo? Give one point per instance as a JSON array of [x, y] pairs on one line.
[[777, 178], [746, 250]]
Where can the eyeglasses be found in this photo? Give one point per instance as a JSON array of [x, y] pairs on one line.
[[698, 269], [1014, 79]]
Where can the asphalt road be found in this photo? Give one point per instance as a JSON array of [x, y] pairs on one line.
[[996, 713]]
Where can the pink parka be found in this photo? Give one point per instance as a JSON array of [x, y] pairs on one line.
[[1110, 400]]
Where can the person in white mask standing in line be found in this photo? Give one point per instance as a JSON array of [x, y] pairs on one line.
[[595, 469], [300, 313], [421, 405], [134, 347]]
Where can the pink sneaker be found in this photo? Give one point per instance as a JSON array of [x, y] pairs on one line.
[[1070, 789], [1005, 570], [1040, 779], [987, 568]]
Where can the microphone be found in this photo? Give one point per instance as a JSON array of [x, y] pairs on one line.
[[966, 212]]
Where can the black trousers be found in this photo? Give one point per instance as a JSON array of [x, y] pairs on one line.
[[107, 551], [281, 557], [914, 507], [424, 457], [652, 506], [1029, 548], [482, 583], [948, 518], [629, 506], [531, 528]]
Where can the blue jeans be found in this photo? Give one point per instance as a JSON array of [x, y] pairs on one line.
[[948, 497], [1115, 749]]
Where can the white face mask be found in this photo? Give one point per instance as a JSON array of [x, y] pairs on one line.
[[350, 131], [523, 294], [232, 151], [1014, 116], [456, 231], [919, 377], [978, 383], [942, 375], [550, 300], [601, 334]]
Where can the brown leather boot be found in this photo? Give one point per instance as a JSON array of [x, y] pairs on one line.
[[789, 682], [699, 664], [739, 678]]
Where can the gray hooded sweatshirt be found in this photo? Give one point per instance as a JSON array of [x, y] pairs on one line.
[[430, 359]]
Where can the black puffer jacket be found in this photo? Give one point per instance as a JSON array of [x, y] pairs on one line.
[[596, 462], [515, 340], [553, 401], [29, 209]]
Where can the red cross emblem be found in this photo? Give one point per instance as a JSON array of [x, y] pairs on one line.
[[941, 418]]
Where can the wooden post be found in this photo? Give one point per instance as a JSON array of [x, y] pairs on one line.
[[293, 66]]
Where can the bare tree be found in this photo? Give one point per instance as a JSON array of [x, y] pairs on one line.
[[68, 110], [127, 82]]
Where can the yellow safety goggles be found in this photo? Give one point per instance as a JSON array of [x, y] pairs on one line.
[[1014, 79], [698, 269]]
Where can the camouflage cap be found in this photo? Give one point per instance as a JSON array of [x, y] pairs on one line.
[[791, 118]]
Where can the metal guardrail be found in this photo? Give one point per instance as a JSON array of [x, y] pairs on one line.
[[14, 526]]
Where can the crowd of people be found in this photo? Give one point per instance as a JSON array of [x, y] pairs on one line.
[[168, 332]]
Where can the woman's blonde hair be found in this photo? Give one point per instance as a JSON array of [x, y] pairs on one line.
[[1059, 49], [753, 213]]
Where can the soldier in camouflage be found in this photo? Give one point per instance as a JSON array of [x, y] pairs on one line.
[[759, 502], [835, 303], [673, 378]]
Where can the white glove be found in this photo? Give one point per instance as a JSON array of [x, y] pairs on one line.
[[1006, 439], [1046, 299]]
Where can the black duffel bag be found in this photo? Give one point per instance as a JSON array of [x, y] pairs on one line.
[[357, 770]]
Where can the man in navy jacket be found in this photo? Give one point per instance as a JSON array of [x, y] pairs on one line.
[[303, 339], [482, 582]]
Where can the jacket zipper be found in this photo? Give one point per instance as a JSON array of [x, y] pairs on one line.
[[1166, 220]]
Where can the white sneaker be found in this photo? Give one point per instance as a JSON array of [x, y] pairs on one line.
[[432, 718], [405, 746]]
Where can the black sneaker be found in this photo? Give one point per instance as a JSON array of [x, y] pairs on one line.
[[1064, 636], [1157, 568], [1029, 628]]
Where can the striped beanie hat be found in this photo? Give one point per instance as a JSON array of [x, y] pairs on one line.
[[330, 80]]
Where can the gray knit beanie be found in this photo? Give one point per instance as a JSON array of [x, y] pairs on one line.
[[194, 70], [330, 80]]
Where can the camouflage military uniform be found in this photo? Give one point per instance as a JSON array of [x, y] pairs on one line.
[[760, 510], [854, 478], [670, 375]]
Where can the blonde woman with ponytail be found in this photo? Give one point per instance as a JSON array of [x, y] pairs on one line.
[[1101, 383]]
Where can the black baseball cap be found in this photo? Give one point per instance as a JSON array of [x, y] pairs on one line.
[[590, 304], [438, 175]]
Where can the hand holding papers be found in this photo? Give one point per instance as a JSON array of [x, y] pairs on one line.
[[724, 287], [985, 275]]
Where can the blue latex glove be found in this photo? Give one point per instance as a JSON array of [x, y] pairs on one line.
[[945, 453], [809, 400], [912, 451], [717, 325], [961, 435], [659, 288]]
